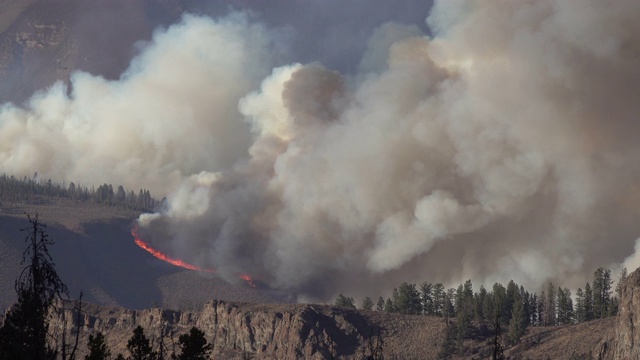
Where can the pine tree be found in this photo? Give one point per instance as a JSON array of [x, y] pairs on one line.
[[426, 298], [479, 301], [588, 303], [438, 295], [367, 303], [580, 308], [464, 310], [517, 325], [139, 346], [98, 349], [388, 306], [344, 301], [601, 292], [24, 332], [407, 300], [550, 306], [194, 346], [380, 304]]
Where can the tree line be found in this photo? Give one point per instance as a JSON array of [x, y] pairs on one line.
[[511, 308], [29, 190]]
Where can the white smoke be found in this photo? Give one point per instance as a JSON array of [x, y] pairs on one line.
[[504, 147], [173, 113]]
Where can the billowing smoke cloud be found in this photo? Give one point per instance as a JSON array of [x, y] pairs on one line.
[[171, 114], [504, 146]]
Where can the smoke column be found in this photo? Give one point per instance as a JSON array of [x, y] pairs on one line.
[[504, 146]]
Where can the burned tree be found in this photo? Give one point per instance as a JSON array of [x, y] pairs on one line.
[[25, 332]]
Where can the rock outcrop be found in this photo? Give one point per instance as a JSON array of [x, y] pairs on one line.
[[626, 343], [264, 331]]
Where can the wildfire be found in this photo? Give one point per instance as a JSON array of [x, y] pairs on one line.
[[177, 262], [164, 257]]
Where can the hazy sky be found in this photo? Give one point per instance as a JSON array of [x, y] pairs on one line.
[[350, 150]]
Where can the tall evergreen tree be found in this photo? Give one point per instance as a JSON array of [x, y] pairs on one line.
[[139, 346], [367, 303], [427, 298], [439, 299], [380, 304], [588, 303], [24, 332], [601, 292], [500, 303], [550, 306], [517, 325], [98, 349], [580, 313], [479, 301], [408, 300], [344, 301], [194, 346]]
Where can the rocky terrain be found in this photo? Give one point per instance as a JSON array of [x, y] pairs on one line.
[[311, 331], [43, 41], [304, 331]]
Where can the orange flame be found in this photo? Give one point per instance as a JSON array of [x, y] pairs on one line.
[[177, 262], [248, 279], [163, 257]]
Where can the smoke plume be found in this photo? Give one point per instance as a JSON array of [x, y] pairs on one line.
[[503, 146]]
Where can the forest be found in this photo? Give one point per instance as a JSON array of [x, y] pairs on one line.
[[33, 190], [512, 308]]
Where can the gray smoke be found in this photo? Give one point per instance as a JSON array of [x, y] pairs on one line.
[[505, 146]]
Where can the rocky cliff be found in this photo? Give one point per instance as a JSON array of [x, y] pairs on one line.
[[268, 331], [626, 343]]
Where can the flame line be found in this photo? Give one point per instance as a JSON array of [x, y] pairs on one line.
[[177, 262]]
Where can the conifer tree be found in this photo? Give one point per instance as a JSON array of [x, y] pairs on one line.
[[194, 346], [580, 308], [517, 325], [367, 303], [24, 332], [139, 346], [588, 303], [98, 349], [426, 298]]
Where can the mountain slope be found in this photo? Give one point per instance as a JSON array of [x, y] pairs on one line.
[[95, 253]]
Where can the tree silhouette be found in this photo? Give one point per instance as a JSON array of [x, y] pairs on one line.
[[139, 346], [98, 349], [194, 346], [25, 329]]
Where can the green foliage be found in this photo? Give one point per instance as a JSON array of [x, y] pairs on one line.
[[344, 301], [194, 346], [380, 304], [32, 190], [388, 306], [601, 292], [139, 346], [24, 332], [464, 310], [407, 300], [448, 346], [580, 312], [588, 303], [517, 324], [565, 311], [367, 303], [98, 349], [426, 297]]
